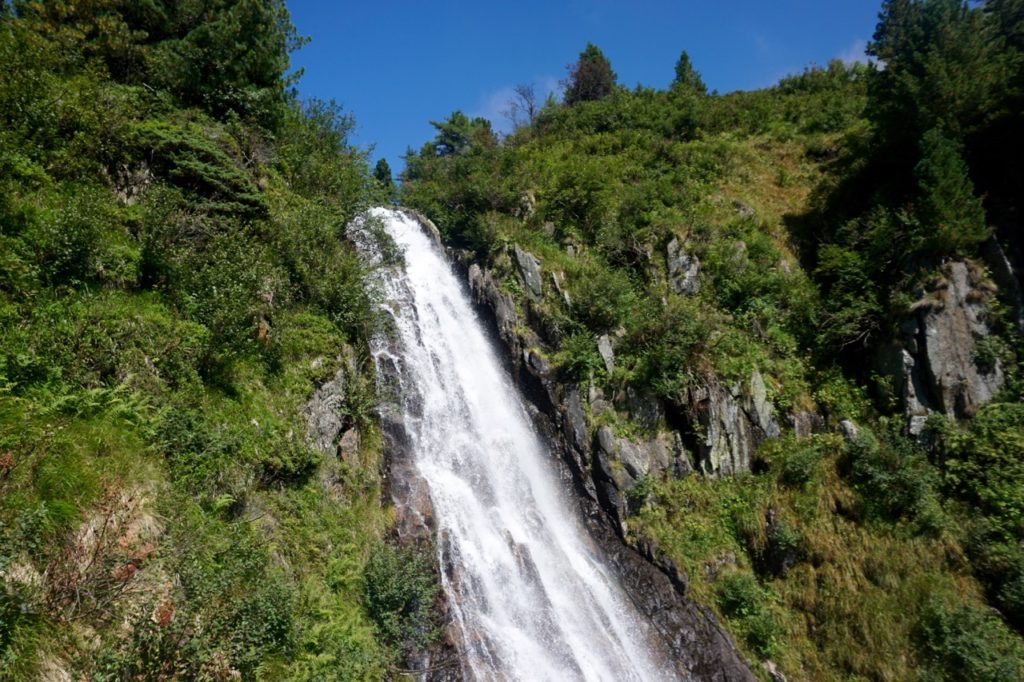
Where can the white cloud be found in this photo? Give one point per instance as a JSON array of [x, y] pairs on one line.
[[494, 104], [855, 53]]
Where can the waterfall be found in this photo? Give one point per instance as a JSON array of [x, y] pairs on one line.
[[528, 591]]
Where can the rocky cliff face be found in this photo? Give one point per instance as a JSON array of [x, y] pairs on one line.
[[604, 468], [937, 363]]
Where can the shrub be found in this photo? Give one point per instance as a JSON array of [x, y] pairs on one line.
[[895, 478], [670, 343], [800, 466], [961, 642], [399, 589], [202, 162], [604, 297], [745, 602], [578, 357], [739, 595]]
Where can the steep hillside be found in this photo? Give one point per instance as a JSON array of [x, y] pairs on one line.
[[174, 287], [723, 281]]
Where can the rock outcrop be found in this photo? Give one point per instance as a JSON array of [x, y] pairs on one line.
[[734, 423], [607, 353], [935, 365], [529, 270], [683, 269], [619, 464], [323, 413]]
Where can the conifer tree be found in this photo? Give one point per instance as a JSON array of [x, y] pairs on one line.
[[948, 205], [687, 77], [590, 78], [382, 173]]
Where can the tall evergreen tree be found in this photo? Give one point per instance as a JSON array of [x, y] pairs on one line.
[[943, 66], [687, 77], [221, 55], [460, 133], [953, 215], [382, 173], [590, 78]]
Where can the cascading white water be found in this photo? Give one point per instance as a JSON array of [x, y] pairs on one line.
[[531, 597]]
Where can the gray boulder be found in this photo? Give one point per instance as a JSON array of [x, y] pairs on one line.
[[683, 269], [529, 270], [932, 365], [324, 419], [604, 348], [950, 331], [734, 422], [348, 447]]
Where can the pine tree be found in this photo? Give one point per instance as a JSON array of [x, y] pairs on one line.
[[590, 78], [944, 67], [687, 77], [382, 172], [948, 205]]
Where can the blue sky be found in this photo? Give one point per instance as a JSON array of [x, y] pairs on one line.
[[398, 64]]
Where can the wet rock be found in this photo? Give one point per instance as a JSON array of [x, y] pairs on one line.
[[485, 291], [849, 429], [537, 363], [604, 348], [649, 549], [575, 421], [610, 483], [683, 269], [529, 271], [426, 223]]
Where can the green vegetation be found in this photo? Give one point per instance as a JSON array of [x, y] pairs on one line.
[[818, 210], [174, 286]]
